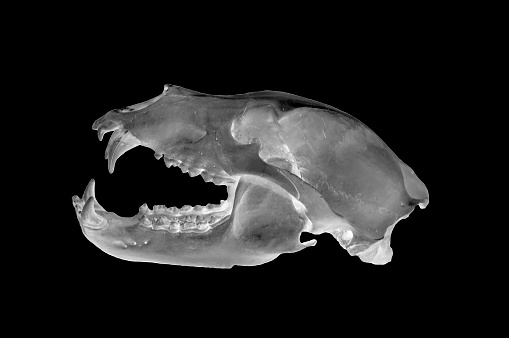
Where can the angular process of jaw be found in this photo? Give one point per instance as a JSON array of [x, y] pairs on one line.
[[290, 165]]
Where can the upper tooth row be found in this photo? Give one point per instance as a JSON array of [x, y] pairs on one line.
[[196, 171]]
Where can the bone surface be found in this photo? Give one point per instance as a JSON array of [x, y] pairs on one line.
[[290, 165]]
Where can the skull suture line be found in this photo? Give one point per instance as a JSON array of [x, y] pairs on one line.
[[290, 165]]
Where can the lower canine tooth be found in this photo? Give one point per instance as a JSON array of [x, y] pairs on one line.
[[89, 191], [89, 216]]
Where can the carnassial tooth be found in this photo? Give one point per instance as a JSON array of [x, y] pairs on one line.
[[89, 216]]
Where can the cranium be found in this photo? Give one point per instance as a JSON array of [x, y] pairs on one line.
[[290, 164]]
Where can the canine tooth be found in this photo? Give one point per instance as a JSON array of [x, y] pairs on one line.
[[89, 191], [120, 142], [158, 156], [89, 216]]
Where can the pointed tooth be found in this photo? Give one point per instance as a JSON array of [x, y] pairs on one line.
[[158, 155], [90, 217], [89, 191], [120, 142]]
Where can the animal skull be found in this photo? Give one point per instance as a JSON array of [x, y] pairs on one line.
[[290, 164]]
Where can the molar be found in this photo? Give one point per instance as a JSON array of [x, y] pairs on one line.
[[206, 176], [144, 221], [159, 209], [194, 172], [191, 218], [188, 226], [217, 180], [172, 210], [184, 167], [169, 162], [144, 209], [186, 208], [199, 208]]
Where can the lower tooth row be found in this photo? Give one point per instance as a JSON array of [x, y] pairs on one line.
[[188, 224], [185, 210]]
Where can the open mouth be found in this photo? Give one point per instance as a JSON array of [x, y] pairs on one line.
[[187, 218], [289, 165]]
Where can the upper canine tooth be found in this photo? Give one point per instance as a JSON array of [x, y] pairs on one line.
[[89, 216]]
